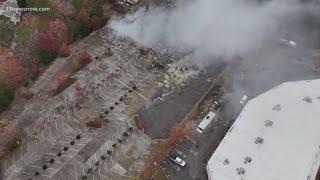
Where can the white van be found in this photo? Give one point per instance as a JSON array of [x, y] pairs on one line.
[[206, 121]]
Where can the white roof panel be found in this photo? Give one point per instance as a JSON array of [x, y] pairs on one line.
[[287, 120]]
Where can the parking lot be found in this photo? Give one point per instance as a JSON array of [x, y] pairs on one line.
[[260, 72]]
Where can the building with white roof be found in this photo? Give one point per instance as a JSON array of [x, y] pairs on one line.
[[275, 137]]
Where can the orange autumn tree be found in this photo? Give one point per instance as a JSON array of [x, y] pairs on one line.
[[61, 77], [59, 30], [12, 72], [85, 3], [64, 50]]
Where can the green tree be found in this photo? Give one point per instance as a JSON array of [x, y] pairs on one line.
[[84, 29], [6, 97], [22, 3]]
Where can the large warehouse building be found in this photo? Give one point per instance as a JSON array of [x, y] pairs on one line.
[[275, 137]]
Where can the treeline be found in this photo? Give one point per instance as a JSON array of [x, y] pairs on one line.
[[41, 37]]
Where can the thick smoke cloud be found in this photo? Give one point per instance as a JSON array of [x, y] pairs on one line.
[[207, 27]]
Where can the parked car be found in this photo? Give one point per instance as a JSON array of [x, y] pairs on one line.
[[288, 43], [132, 2], [219, 103], [244, 99], [177, 160]]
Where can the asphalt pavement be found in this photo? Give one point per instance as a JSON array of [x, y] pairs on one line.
[[160, 115], [261, 71]]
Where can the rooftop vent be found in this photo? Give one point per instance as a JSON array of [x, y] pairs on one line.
[[258, 140], [307, 99], [247, 160], [226, 161], [276, 107], [241, 170], [268, 123]]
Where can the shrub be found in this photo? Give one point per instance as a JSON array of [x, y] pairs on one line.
[[158, 65], [97, 163], [130, 129], [84, 177], [13, 144], [114, 145], [84, 58], [97, 123], [90, 171], [125, 134], [103, 157], [90, 124], [6, 97], [120, 140], [109, 152]]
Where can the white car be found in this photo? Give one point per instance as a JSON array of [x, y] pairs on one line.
[[244, 99], [177, 160], [288, 43], [132, 2]]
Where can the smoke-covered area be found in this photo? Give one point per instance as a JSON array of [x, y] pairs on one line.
[[208, 27]]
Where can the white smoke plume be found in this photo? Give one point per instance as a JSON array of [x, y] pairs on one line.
[[207, 27]]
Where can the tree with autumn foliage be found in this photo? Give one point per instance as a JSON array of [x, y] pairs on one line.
[[59, 30], [61, 77], [64, 50], [95, 123], [10, 131], [49, 47], [84, 58], [85, 4], [80, 61], [83, 24], [95, 23], [12, 73]]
